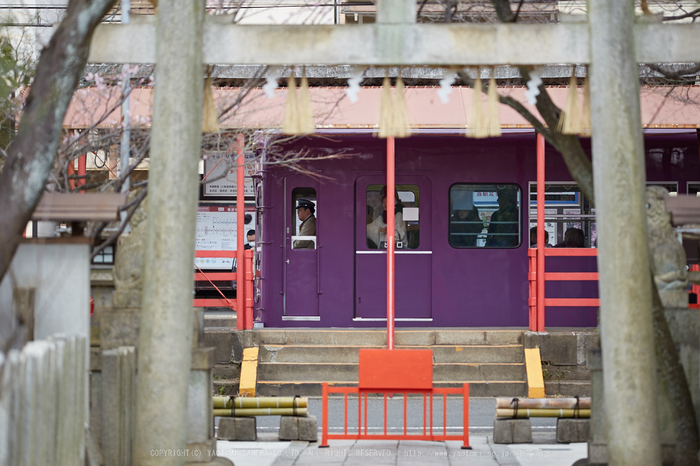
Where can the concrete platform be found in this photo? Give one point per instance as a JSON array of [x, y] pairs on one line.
[[296, 361]]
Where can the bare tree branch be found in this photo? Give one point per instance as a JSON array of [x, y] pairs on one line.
[[677, 74], [693, 14], [32, 153], [569, 147], [133, 205]]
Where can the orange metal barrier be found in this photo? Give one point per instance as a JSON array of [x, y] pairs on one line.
[[537, 305], [210, 277], [429, 432], [391, 372]]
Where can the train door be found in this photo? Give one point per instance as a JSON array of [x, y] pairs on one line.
[[413, 258], [301, 248]]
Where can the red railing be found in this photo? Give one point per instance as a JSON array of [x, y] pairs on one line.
[[430, 433], [537, 301], [211, 277]]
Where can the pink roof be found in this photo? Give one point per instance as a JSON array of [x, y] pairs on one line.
[[662, 107]]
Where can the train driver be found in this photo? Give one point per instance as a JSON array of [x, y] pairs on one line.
[[376, 231], [305, 212]]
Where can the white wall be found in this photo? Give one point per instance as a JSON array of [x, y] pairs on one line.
[[60, 271]]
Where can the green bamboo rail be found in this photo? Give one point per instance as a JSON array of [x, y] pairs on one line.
[[237, 402], [523, 413], [539, 403], [248, 412]]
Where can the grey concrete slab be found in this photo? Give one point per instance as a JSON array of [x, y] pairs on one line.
[[547, 454], [251, 453], [501, 372], [406, 453], [481, 453], [478, 337]]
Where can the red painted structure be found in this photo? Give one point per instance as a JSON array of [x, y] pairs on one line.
[[241, 321], [392, 372], [537, 277], [212, 277], [390, 235], [537, 300]]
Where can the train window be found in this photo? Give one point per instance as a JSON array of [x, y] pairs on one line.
[[694, 188], [304, 206], [407, 218], [485, 216], [566, 209]]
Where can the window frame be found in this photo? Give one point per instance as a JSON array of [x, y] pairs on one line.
[[484, 234]]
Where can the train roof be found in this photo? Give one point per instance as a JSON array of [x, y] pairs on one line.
[[662, 107]]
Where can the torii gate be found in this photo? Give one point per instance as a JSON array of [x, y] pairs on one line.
[[180, 41]]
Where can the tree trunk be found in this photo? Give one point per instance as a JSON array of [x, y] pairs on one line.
[[32, 153], [676, 385]]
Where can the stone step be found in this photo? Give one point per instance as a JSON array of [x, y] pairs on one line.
[[226, 371], [557, 373], [377, 337], [350, 354], [220, 320], [348, 372], [225, 387], [314, 388], [568, 388]]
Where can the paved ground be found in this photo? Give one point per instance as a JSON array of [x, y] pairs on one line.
[[268, 450]]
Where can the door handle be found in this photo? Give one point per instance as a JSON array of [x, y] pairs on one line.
[[287, 261]]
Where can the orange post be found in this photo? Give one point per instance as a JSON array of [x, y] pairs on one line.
[[465, 400], [82, 170], [324, 420], [241, 323], [390, 234], [71, 171], [539, 327], [532, 288], [249, 288]]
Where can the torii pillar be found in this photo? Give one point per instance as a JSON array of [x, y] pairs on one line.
[[629, 362], [165, 338]]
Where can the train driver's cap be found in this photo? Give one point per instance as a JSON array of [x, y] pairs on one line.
[[305, 203]]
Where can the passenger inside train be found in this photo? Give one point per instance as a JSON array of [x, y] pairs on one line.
[[573, 238], [533, 238], [503, 227], [465, 222], [376, 230]]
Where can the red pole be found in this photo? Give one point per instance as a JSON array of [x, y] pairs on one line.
[[241, 323], [465, 432], [82, 170], [249, 288], [540, 233], [390, 233], [324, 417], [71, 172]]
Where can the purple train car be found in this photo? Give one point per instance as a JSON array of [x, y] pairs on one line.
[[464, 212]]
